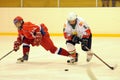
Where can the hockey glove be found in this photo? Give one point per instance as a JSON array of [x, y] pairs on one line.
[[75, 39], [16, 45], [84, 43], [37, 39]]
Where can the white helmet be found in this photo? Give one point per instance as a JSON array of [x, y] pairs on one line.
[[71, 16]]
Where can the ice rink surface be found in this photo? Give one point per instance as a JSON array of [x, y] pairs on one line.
[[43, 65]]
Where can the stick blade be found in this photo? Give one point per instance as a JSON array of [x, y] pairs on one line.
[[113, 68]]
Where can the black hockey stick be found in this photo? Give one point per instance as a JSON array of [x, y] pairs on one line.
[[111, 67], [6, 54]]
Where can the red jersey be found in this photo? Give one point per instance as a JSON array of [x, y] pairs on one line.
[[28, 30]]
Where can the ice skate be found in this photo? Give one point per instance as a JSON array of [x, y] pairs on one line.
[[89, 56], [22, 59], [74, 58]]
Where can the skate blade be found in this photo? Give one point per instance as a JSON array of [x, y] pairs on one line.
[[23, 61], [20, 62], [75, 63], [71, 62]]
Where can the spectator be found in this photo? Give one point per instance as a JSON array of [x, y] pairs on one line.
[[113, 3], [105, 3]]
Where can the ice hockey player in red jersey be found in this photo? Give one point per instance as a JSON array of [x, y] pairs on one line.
[[29, 33], [76, 31]]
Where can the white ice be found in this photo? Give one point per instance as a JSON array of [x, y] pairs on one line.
[[43, 65]]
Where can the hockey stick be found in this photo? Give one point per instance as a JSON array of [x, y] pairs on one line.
[[111, 67], [6, 54]]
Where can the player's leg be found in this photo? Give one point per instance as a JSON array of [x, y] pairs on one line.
[[86, 42], [72, 50], [47, 43], [26, 49]]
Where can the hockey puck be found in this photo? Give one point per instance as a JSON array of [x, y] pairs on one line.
[[66, 69], [68, 61], [22, 60]]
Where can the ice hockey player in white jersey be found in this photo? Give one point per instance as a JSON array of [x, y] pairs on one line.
[[76, 31]]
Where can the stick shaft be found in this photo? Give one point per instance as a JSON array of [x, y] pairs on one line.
[[100, 59], [6, 54]]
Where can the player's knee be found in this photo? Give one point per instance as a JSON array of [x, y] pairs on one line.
[[26, 45], [53, 50], [70, 46]]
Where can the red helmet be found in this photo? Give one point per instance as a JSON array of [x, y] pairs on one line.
[[18, 18]]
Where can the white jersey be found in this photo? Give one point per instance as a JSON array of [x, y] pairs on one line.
[[81, 29]]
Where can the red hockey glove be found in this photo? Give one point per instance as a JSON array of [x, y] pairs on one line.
[[16, 45], [37, 39]]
